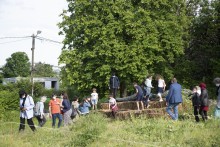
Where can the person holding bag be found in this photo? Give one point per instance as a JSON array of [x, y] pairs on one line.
[[26, 111], [39, 111]]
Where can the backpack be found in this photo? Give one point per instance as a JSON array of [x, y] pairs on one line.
[[37, 109]]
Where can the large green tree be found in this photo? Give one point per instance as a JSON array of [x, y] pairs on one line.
[[202, 56], [17, 65], [43, 70], [129, 37]]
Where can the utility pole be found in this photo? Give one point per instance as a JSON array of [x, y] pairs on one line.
[[32, 62]]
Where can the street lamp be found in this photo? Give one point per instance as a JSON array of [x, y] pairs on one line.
[[32, 62]]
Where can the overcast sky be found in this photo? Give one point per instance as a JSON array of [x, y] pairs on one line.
[[20, 18]]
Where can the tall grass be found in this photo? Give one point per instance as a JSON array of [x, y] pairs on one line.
[[95, 130]]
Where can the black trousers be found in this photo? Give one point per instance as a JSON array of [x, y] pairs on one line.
[[203, 113], [114, 92], [41, 121], [30, 123], [196, 113]]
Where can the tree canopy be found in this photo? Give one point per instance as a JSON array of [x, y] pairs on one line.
[[130, 38], [43, 70], [17, 65]]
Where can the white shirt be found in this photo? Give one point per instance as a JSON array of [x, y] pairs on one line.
[[112, 101], [94, 96], [148, 83], [161, 83]]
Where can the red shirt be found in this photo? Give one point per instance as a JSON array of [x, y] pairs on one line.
[[55, 105]]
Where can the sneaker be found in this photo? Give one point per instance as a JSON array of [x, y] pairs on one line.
[[160, 100]]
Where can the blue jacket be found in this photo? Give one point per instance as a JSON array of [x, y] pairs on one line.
[[84, 108], [174, 94]]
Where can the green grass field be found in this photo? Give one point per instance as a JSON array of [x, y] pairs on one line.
[[95, 130]]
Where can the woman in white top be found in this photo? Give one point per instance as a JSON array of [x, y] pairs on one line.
[[161, 87]]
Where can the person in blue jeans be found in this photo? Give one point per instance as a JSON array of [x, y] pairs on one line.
[[173, 99]]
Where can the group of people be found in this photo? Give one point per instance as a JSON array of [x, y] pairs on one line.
[[66, 111], [59, 108]]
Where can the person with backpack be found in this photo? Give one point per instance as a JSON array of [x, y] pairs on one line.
[[39, 111], [26, 111]]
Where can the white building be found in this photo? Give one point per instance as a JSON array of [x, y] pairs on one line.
[[47, 82]]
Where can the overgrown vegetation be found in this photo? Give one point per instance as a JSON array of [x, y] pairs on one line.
[[95, 130]]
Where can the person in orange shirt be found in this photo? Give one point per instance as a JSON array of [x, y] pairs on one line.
[[54, 110]]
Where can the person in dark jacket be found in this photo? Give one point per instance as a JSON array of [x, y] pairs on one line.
[[173, 99], [204, 101], [67, 109], [196, 101], [114, 84]]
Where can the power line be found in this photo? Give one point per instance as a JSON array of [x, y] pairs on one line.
[[14, 41], [14, 37], [49, 40]]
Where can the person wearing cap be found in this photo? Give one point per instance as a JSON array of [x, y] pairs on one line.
[[54, 110], [173, 99], [204, 102], [26, 111], [39, 111]]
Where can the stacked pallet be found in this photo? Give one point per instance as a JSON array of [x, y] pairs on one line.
[[129, 109]]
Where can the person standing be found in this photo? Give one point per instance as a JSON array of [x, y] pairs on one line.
[[54, 110], [217, 108], [147, 88], [26, 111], [39, 111], [114, 84], [173, 99], [94, 99], [161, 87], [196, 101], [67, 110], [204, 102], [139, 95]]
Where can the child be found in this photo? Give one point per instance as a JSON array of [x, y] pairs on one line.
[[94, 99], [113, 105]]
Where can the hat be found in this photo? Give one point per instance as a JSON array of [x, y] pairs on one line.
[[202, 86]]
